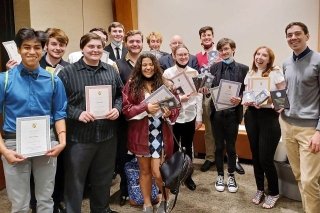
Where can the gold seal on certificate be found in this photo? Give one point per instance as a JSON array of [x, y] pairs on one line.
[[99, 100], [33, 135], [257, 84]]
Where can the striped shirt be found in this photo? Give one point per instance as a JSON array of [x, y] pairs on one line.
[[75, 77]]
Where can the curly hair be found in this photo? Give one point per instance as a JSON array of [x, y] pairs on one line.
[[137, 81]]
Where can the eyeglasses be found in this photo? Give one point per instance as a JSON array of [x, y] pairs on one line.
[[182, 54]]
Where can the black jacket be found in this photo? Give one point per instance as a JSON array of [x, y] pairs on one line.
[[167, 61], [240, 72], [111, 53]]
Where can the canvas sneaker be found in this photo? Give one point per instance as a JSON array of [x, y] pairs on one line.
[[219, 183], [232, 184]]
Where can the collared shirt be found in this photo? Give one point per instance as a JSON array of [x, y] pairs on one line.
[[25, 96], [228, 71], [193, 107], [44, 63], [75, 77], [301, 55], [114, 49]]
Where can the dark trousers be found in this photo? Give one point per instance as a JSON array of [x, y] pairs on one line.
[[94, 161], [122, 153], [184, 133], [263, 130], [225, 126]]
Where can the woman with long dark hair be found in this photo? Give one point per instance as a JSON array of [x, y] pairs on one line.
[[149, 134]]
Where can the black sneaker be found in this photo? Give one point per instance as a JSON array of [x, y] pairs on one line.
[[232, 184], [206, 166], [219, 185]]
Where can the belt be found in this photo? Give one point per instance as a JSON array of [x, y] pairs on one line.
[[9, 135]]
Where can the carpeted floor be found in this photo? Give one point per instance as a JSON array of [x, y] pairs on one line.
[[205, 199]]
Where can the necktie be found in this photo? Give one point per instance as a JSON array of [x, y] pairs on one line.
[[118, 53], [24, 72]]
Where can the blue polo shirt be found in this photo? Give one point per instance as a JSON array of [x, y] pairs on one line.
[[26, 96]]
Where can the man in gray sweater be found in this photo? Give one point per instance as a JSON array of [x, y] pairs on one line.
[[300, 125]]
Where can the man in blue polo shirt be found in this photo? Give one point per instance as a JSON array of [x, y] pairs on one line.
[[26, 91]]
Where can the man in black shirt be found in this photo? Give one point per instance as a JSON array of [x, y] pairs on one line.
[[91, 143]]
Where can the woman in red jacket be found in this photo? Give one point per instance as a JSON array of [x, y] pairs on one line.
[[149, 136]]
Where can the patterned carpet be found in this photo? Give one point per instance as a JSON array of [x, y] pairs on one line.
[[205, 199]]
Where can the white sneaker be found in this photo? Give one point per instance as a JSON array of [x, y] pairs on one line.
[[219, 183], [232, 184]]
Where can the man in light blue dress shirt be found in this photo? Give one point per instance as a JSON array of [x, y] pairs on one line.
[[28, 90]]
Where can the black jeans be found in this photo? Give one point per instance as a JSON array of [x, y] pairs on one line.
[[184, 133], [225, 126], [94, 161], [263, 130]]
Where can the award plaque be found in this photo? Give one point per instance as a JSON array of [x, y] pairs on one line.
[[280, 99], [262, 97]]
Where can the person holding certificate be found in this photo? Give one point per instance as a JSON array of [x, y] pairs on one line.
[[263, 128], [225, 123], [205, 61], [91, 134], [149, 134], [33, 101], [190, 117]]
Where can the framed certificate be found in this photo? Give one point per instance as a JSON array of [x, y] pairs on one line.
[[99, 100], [218, 107], [160, 95], [257, 84], [33, 135], [12, 50], [182, 80], [227, 89]]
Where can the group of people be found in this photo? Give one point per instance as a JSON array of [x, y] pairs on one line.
[[90, 150]]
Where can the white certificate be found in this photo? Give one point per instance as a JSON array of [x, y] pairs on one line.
[[227, 89], [257, 84], [182, 80], [161, 94], [33, 135], [12, 50], [99, 100], [219, 107]]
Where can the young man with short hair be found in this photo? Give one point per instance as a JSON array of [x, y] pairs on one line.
[[55, 48], [133, 41], [225, 123], [28, 90], [300, 125], [116, 48]]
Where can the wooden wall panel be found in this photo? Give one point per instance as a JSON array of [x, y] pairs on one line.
[[126, 12]]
